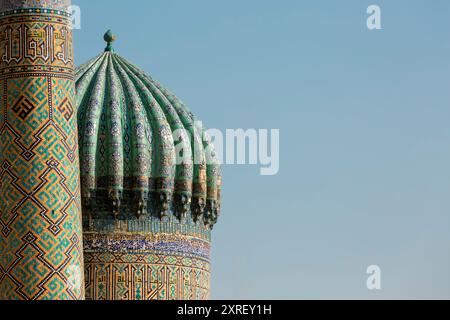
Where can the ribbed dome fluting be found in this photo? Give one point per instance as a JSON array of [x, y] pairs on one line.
[[141, 149]]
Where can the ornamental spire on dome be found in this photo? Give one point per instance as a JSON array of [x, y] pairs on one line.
[[109, 37]]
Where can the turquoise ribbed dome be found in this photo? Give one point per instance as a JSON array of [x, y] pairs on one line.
[[130, 160]]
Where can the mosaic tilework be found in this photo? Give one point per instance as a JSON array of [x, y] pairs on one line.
[[146, 267], [35, 42], [147, 225], [40, 211]]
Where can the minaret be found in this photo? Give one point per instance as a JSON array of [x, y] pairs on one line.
[[40, 215]]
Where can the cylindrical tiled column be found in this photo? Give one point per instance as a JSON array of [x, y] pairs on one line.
[[40, 215]]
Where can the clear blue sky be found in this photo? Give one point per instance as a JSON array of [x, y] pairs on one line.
[[365, 134]]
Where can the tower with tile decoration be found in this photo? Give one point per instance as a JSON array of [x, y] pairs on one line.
[[40, 210]]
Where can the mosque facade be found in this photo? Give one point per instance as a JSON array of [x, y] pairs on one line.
[[108, 188]]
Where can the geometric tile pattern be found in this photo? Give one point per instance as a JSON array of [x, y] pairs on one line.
[[40, 212], [23, 107], [152, 267]]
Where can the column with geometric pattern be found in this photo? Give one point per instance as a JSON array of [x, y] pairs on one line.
[[40, 213]]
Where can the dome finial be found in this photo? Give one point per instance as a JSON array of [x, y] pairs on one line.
[[109, 37]]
